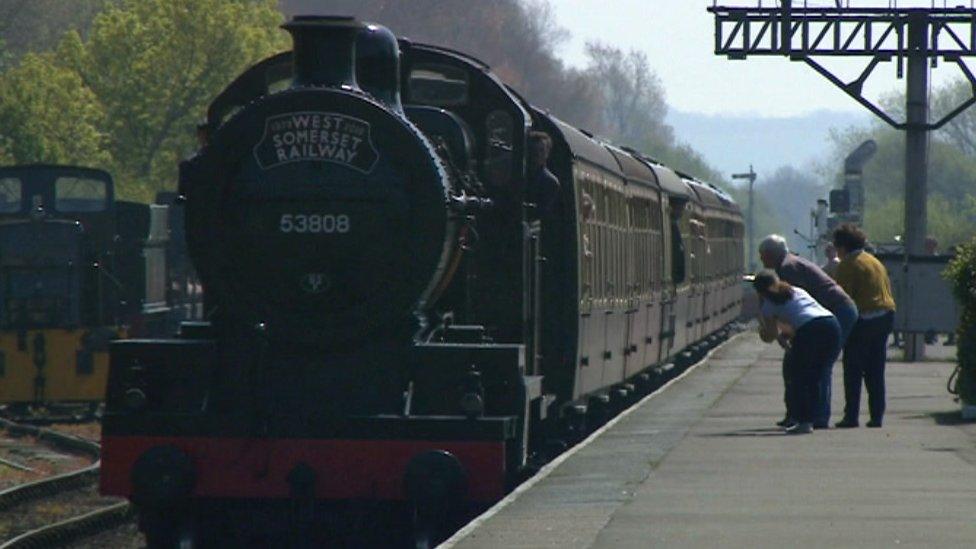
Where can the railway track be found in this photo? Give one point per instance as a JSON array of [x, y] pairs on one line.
[[70, 530], [48, 487], [57, 439], [51, 414], [59, 493]]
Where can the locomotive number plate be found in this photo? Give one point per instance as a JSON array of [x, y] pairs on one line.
[[315, 223]]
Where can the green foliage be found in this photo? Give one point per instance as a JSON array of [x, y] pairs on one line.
[[951, 177], [961, 273], [37, 25], [617, 96], [128, 95], [4, 55], [154, 65], [960, 131], [884, 219], [683, 157], [48, 115], [633, 97]]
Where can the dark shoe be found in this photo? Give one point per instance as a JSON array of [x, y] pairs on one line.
[[800, 429], [785, 422], [823, 425], [874, 423], [846, 424]]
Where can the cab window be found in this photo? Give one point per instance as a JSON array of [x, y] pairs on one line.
[[438, 85], [79, 194], [11, 194]]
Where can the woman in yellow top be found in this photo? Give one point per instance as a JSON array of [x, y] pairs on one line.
[[865, 279]]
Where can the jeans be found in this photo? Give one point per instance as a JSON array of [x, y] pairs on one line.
[[846, 318], [815, 348], [788, 397], [864, 359]]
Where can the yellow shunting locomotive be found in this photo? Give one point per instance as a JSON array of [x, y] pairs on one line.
[[78, 269]]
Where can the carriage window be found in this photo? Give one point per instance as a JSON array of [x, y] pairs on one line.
[[79, 194], [678, 271], [438, 85], [10, 194]]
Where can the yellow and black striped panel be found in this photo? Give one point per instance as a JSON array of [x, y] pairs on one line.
[[53, 365]]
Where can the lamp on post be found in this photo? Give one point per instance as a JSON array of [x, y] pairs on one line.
[[751, 177]]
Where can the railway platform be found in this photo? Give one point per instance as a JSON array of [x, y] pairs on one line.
[[701, 464]]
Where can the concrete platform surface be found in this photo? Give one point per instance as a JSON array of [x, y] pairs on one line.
[[702, 465]]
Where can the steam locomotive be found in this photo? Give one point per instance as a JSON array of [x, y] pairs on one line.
[[78, 269], [393, 323]]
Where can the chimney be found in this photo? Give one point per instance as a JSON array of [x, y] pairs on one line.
[[324, 50]]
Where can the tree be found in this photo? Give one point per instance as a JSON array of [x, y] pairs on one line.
[[961, 131], [792, 193], [684, 158], [47, 115], [951, 174], [961, 274], [634, 105], [37, 25], [617, 95], [155, 64], [4, 56], [517, 38]]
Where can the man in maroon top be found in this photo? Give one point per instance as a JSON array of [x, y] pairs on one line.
[[800, 272]]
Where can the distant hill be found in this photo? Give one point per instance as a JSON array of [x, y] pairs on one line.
[[731, 143]]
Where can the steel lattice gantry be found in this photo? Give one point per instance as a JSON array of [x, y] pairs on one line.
[[803, 34], [913, 38], [744, 31]]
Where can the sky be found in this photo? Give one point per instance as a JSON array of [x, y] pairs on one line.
[[678, 38]]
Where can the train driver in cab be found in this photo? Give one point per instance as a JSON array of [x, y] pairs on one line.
[[190, 163], [543, 188]]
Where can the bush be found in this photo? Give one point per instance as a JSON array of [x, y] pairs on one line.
[[961, 273]]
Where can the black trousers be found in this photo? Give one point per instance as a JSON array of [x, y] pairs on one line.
[[864, 360]]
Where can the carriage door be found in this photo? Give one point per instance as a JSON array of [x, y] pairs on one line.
[[532, 299], [652, 267], [669, 293], [705, 279], [639, 272], [630, 259]]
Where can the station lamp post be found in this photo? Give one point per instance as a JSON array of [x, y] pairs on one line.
[[750, 220]]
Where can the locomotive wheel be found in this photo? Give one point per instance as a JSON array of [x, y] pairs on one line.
[[553, 448], [167, 531], [424, 532], [432, 523], [435, 483], [598, 411], [574, 423]]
